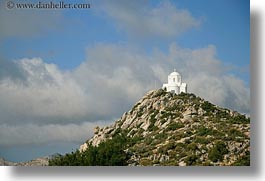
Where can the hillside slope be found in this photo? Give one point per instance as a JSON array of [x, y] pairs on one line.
[[167, 129]]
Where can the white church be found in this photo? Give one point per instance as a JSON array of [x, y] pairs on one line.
[[174, 84]]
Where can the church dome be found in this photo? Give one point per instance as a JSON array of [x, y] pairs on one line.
[[174, 73]]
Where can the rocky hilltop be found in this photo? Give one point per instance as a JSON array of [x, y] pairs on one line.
[[181, 130]]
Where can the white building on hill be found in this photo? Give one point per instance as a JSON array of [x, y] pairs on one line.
[[174, 83]]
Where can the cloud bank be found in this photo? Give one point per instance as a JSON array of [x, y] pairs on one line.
[[107, 84]]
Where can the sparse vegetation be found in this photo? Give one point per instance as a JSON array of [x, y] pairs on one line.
[[244, 160], [173, 126], [208, 107], [166, 129], [240, 119]]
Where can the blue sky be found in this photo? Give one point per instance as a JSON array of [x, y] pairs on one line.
[[224, 23], [69, 70]]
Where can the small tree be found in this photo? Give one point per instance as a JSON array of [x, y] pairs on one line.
[[218, 151]]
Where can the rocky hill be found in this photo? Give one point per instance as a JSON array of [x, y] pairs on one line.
[[168, 129], [43, 161], [3, 162], [181, 130]]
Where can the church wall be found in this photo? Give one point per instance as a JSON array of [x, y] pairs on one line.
[[172, 80], [183, 88], [173, 88]]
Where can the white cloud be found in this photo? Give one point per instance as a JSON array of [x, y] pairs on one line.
[[36, 134], [137, 18], [46, 93], [106, 85]]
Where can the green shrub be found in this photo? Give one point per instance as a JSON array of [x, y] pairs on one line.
[[163, 121], [235, 133], [173, 126], [152, 126], [166, 115], [171, 145], [163, 150], [218, 151], [159, 93], [203, 131], [192, 146], [187, 134], [106, 153], [201, 140], [148, 140], [218, 134], [161, 136], [134, 140], [174, 108], [222, 114], [191, 159], [240, 119], [208, 107]]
